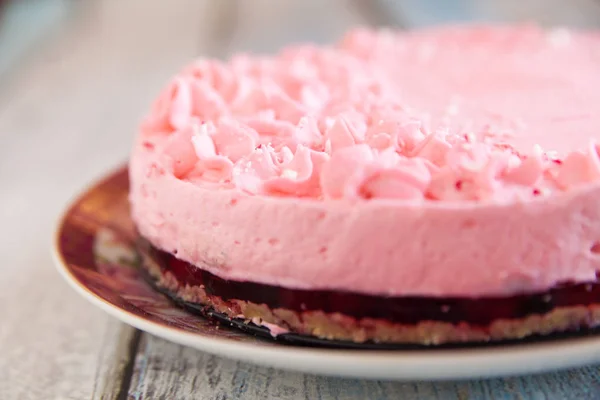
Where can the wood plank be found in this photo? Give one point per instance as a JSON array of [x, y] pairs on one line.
[[574, 13], [264, 26], [114, 366], [67, 117], [21, 29], [421, 13], [378, 13], [169, 371]]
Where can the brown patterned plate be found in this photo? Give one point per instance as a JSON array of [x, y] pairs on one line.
[[95, 253]]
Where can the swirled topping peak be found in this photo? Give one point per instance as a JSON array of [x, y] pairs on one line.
[[333, 123]]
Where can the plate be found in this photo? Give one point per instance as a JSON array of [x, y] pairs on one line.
[[94, 251]]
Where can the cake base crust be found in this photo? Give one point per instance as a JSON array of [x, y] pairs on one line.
[[341, 327]]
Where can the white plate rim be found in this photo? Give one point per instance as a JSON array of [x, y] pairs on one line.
[[430, 364], [444, 364]]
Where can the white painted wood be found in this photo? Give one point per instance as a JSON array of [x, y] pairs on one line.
[[23, 23], [113, 365], [267, 25], [573, 13], [166, 370], [65, 118], [420, 13]]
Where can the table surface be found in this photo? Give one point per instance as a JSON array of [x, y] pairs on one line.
[[68, 113]]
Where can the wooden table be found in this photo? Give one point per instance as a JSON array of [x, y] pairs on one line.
[[69, 112]]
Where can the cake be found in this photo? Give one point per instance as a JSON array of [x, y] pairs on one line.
[[432, 186]]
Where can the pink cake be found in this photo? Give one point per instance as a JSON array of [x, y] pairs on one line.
[[431, 186]]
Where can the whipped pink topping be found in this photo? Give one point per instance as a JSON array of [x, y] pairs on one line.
[[338, 122], [452, 161]]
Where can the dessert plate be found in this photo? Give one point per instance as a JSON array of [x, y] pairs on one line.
[[95, 252]]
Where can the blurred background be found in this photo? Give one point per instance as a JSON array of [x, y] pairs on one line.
[[81, 73], [25, 24]]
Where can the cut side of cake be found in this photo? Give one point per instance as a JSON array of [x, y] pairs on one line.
[[429, 187]]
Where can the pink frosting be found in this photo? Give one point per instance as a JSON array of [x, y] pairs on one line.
[[454, 161]]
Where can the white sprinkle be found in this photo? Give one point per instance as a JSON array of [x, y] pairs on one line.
[[328, 146], [553, 155], [289, 173], [513, 161], [303, 122], [203, 129], [445, 308]]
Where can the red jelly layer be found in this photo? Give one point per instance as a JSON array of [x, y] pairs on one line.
[[407, 310]]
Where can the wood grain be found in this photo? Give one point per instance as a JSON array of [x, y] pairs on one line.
[[66, 117], [264, 26], [114, 364], [69, 115], [421, 13], [169, 371]]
